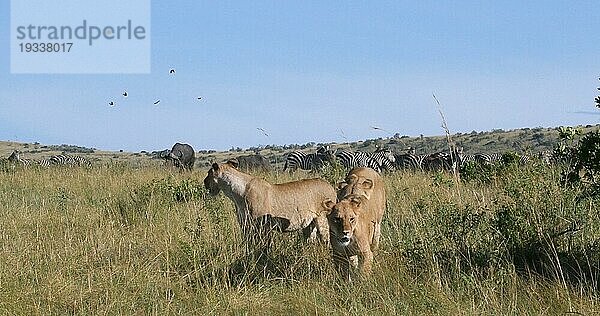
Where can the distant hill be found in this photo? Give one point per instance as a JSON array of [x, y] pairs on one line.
[[517, 140], [520, 140]]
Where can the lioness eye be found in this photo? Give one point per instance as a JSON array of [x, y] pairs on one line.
[[352, 220]]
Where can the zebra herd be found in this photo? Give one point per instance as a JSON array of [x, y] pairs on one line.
[[386, 160], [381, 160], [56, 160]]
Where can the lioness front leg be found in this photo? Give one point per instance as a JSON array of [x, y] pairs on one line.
[[322, 226], [376, 236], [365, 259]]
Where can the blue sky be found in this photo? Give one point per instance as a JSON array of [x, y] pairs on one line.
[[320, 71]]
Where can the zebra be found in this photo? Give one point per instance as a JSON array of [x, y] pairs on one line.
[[408, 161], [438, 161], [489, 159], [468, 158], [545, 157], [312, 161], [70, 160], [351, 159], [479, 159], [460, 159], [15, 158], [385, 159], [525, 159], [45, 162]]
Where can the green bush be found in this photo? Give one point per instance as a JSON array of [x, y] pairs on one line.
[[582, 159], [184, 190], [474, 171], [333, 172]]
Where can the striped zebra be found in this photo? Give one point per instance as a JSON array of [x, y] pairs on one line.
[[468, 158], [353, 159], [385, 159], [67, 160], [489, 159], [438, 161], [525, 159], [15, 158], [480, 159], [45, 163], [545, 157], [408, 161], [300, 160]]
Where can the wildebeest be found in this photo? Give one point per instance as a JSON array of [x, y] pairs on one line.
[[182, 156], [256, 162]]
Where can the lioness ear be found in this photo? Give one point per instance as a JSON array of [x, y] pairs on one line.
[[215, 166], [368, 184], [328, 204], [233, 162]]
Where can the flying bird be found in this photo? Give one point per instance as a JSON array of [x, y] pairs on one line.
[[343, 135], [263, 131], [111, 103], [172, 71], [199, 98], [125, 94], [379, 129], [156, 102]]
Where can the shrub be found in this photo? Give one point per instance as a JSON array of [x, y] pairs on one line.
[[581, 156]]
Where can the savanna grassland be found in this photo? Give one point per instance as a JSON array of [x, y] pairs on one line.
[[118, 239]]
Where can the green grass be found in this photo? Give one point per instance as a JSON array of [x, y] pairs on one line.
[[123, 240]]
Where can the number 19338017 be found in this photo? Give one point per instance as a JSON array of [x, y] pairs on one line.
[[45, 47]]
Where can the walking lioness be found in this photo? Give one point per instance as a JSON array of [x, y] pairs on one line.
[[355, 221], [284, 207], [367, 183]]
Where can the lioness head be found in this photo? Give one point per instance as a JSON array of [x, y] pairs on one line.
[[215, 174], [343, 218], [354, 185]]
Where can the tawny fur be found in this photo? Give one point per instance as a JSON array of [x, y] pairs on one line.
[[287, 206], [357, 218], [367, 183]]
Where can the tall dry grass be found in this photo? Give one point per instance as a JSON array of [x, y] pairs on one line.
[[122, 240]]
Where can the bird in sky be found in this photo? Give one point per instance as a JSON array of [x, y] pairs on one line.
[[156, 102], [263, 131], [111, 103], [125, 94], [172, 71], [343, 134], [379, 129]]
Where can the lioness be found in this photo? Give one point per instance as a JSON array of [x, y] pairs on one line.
[[285, 207], [367, 183], [355, 221]]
